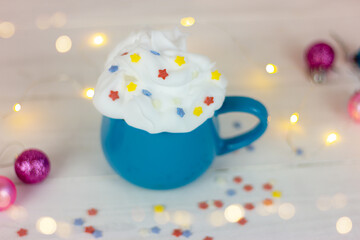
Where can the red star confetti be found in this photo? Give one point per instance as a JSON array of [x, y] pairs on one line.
[[267, 202], [218, 204], [22, 232], [248, 187], [242, 221], [267, 186], [203, 205], [208, 238], [92, 212], [209, 100], [114, 95], [237, 179], [249, 206], [89, 229], [125, 53], [177, 232], [163, 74]]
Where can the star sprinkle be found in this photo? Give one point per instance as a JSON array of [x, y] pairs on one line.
[[125, 53], [299, 151], [230, 192], [218, 204], [163, 74], [97, 234], [250, 148], [203, 205], [177, 232], [198, 111], [180, 60], [248, 188], [276, 194], [114, 95], [92, 212], [131, 87], [113, 68], [180, 112], [159, 208], [89, 229], [215, 75], [146, 92], [208, 238], [135, 57], [242, 221], [187, 233], [237, 179], [22, 232], [237, 124], [267, 186], [209, 100], [78, 222], [155, 230], [267, 202], [155, 53], [249, 206]]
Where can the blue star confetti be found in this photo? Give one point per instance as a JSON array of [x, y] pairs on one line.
[[187, 233], [146, 92], [230, 192], [113, 68], [237, 124], [155, 53], [299, 151], [78, 222], [250, 148], [180, 112], [155, 230], [97, 234]]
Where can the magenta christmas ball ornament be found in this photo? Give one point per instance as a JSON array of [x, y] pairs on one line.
[[7, 193], [32, 166], [354, 106]]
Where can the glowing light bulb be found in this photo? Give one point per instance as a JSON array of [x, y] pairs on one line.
[[89, 92], [17, 107], [344, 225], [63, 44], [294, 118], [271, 68], [331, 138], [99, 39], [187, 21], [46, 225]]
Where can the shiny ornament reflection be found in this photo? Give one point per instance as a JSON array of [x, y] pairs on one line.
[[354, 106], [7, 193]]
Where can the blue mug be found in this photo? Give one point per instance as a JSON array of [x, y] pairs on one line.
[[170, 160]]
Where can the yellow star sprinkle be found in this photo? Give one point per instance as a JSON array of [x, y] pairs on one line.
[[131, 87], [180, 60], [215, 75], [198, 111], [276, 194], [159, 208], [135, 57]]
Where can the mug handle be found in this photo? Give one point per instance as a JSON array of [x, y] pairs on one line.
[[246, 105]]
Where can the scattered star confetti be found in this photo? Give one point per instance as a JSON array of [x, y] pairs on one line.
[[163, 74], [208, 238], [155, 230], [237, 179], [187, 233], [131, 87], [237, 124], [267, 202], [249, 206], [155, 53], [125, 53], [242, 221], [146, 92], [92, 212], [209, 100], [113, 68], [215, 75], [89, 229], [299, 151], [218, 204], [276, 194], [203, 205], [180, 112], [198, 111], [231, 192], [177, 232], [97, 234], [248, 187], [180, 60], [78, 222], [22, 232], [250, 148], [135, 57], [114, 95], [267, 186], [159, 208]]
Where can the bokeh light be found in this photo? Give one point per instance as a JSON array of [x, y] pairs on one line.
[[63, 44], [339, 200], [182, 218], [271, 68], [344, 225], [294, 118], [17, 213], [7, 29], [162, 217], [89, 92], [187, 21], [98, 39], [43, 22], [323, 203], [286, 211], [58, 19], [217, 218], [234, 213], [331, 138], [17, 107], [46, 225], [64, 229]]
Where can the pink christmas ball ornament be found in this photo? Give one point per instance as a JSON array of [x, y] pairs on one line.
[[32, 166], [7, 193], [354, 106]]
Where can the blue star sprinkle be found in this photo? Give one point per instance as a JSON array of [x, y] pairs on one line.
[[146, 92], [231, 192], [299, 151], [78, 222], [180, 112], [155, 230], [113, 68], [250, 148], [237, 124], [97, 234], [187, 233], [155, 53]]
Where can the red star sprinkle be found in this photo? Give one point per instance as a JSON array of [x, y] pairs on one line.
[[92, 212], [218, 203], [242, 221], [177, 232], [249, 206], [267, 202], [267, 186], [237, 179], [125, 53], [89, 229], [163, 74], [209, 100], [203, 205], [208, 238], [114, 95], [248, 187], [22, 232]]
